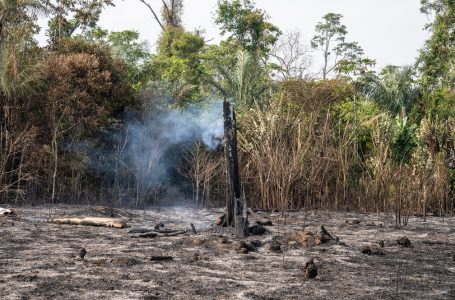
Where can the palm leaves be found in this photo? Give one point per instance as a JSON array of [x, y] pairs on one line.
[[16, 27], [394, 89], [245, 83]]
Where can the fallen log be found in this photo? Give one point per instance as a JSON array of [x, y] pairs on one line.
[[91, 221]]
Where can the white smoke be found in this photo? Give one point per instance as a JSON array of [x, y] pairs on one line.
[[155, 144]]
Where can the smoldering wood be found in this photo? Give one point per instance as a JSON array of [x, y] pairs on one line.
[[235, 159], [241, 217], [91, 221], [235, 201]]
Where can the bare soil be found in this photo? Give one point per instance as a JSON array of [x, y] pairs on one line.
[[39, 260]]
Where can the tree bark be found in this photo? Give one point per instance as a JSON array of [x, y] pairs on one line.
[[91, 221], [235, 203], [229, 220]]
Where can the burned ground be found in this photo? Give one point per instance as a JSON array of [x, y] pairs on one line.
[[39, 260]]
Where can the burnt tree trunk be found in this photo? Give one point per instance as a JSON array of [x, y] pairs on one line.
[[229, 220], [235, 202]]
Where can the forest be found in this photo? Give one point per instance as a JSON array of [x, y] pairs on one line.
[[98, 117]]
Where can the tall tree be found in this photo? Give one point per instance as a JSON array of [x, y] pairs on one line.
[[178, 61], [17, 28], [171, 13], [437, 59], [338, 55], [330, 34], [244, 80], [247, 24], [70, 15]]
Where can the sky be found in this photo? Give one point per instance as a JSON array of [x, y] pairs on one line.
[[390, 31]]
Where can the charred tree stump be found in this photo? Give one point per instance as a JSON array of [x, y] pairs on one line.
[[229, 219], [235, 201]]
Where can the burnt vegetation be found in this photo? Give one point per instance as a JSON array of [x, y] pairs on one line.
[[97, 117]]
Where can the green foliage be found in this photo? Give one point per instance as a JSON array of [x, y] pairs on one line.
[[220, 60], [395, 89], [248, 82], [403, 140], [437, 59], [353, 61], [344, 57], [330, 30], [360, 116], [440, 103], [179, 59], [248, 25], [125, 45], [240, 76], [71, 15], [18, 50]]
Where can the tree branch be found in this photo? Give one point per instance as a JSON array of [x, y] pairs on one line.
[[168, 11], [154, 14]]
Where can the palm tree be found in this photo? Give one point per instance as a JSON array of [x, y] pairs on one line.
[[18, 75], [394, 89], [245, 82], [16, 20]]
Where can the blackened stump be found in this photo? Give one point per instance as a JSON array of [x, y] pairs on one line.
[[235, 201]]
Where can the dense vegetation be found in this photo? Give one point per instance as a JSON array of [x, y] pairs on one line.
[[77, 113]]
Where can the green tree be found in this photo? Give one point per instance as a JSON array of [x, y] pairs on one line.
[[338, 55], [437, 59], [404, 140], [354, 62], [19, 81], [236, 73], [248, 25], [17, 28], [125, 45], [70, 15], [395, 89], [179, 61]]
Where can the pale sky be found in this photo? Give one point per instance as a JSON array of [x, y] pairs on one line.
[[390, 31]]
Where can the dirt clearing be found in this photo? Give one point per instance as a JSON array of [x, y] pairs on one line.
[[367, 258]]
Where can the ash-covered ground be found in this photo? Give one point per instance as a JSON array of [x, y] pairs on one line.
[[39, 260]]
